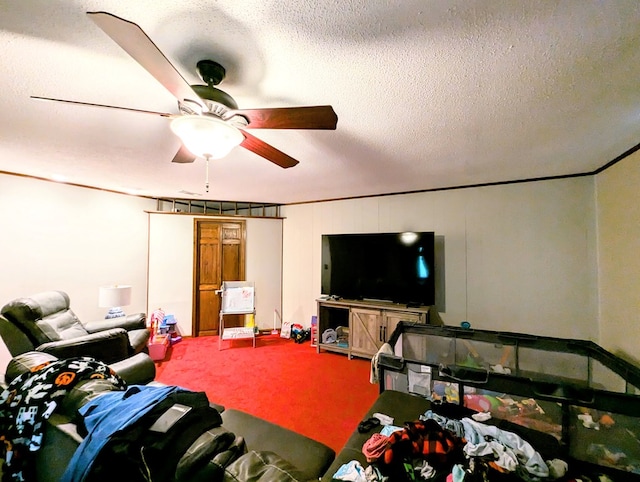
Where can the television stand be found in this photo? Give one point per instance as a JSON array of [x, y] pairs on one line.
[[364, 325]]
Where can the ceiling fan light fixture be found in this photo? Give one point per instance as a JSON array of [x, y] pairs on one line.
[[206, 136]]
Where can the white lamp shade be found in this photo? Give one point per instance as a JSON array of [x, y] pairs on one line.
[[114, 296], [206, 136]]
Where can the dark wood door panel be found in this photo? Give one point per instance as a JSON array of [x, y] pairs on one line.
[[209, 303], [231, 266], [209, 264]]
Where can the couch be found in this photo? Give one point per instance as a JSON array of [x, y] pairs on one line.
[[45, 322], [404, 407], [268, 447]]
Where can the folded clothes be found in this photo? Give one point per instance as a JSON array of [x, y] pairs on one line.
[[352, 471], [423, 439], [509, 449], [389, 429], [384, 419], [454, 426], [374, 448]]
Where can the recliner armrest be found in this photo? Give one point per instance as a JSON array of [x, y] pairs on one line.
[[138, 369], [134, 321], [108, 346]]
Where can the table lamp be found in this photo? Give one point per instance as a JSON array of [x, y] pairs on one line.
[[114, 297]]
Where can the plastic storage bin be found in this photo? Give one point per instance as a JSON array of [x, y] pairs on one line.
[[158, 346]]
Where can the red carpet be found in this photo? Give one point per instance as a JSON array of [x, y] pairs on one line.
[[323, 396]]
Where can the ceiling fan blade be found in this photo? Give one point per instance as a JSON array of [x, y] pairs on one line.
[[138, 45], [183, 156], [312, 117], [267, 151], [89, 104]]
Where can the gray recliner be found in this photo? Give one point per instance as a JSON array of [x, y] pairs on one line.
[[45, 322]]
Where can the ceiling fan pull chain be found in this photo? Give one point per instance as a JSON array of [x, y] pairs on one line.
[[206, 177]]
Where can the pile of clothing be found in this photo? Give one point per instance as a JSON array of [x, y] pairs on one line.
[[437, 448]]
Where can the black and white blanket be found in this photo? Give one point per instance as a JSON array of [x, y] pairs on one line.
[[30, 400]]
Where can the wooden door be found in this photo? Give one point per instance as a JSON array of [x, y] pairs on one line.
[[366, 331], [218, 257]]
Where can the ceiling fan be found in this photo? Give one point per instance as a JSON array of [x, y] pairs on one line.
[[209, 123]]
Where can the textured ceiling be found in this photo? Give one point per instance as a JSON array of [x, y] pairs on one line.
[[429, 93]]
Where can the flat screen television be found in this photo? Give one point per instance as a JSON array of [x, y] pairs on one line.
[[396, 267]]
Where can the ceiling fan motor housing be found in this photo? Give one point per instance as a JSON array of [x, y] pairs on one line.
[[207, 92], [212, 73]]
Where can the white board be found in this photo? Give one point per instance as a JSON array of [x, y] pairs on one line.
[[238, 297]]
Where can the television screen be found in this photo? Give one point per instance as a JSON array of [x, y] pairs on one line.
[[396, 267]]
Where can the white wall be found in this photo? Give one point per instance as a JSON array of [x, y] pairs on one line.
[[618, 196], [171, 251], [56, 236], [519, 257]]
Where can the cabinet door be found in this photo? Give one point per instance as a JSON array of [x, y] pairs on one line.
[[392, 318], [366, 331]]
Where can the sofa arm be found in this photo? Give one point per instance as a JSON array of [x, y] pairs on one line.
[[108, 346], [309, 456], [138, 369], [134, 321]]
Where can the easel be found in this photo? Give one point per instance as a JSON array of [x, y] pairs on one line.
[[238, 298]]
